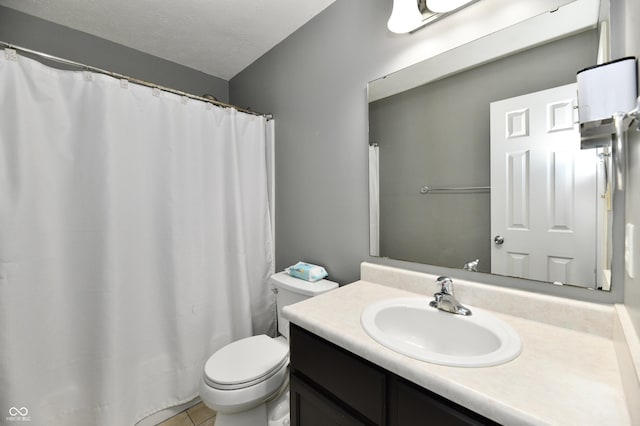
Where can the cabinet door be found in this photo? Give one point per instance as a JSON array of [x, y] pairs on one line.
[[411, 405], [311, 408], [353, 381]]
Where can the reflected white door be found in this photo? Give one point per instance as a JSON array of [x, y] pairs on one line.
[[543, 190]]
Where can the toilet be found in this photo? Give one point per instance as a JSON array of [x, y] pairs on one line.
[[247, 381]]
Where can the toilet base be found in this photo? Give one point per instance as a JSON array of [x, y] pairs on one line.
[[255, 417], [273, 411], [278, 411]]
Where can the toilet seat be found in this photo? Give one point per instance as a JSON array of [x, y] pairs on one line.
[[246, 362]]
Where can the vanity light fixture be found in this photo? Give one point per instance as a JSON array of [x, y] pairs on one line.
[[444, 6], [409, 15]]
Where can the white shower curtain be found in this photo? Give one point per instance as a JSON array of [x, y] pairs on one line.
[[135, 240]]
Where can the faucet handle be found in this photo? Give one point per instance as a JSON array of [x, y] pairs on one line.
[[446, 284]]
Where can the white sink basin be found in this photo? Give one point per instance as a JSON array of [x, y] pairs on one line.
[[413, 328]]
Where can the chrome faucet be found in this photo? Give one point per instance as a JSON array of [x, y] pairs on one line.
[[471, 266], [444, 299]]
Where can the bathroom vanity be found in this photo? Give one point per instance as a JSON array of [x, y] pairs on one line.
[[568, 372], [332, 386]]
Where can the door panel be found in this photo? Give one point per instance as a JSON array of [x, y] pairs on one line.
[[543, 190]]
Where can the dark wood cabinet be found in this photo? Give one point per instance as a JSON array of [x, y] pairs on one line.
[[411, 405], [332, 386], [312, 408]]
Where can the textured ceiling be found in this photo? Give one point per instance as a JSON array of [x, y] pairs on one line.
[[218, 37]]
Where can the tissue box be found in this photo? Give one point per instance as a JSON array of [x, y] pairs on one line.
[[307, 271]]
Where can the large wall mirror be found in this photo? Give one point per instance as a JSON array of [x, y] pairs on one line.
[[475, 155]]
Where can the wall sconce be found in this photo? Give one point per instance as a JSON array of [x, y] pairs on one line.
[[409, 15]]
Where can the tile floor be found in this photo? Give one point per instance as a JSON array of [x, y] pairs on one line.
[[198, 415]]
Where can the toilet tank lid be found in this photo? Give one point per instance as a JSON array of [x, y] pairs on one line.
[[286, 281]]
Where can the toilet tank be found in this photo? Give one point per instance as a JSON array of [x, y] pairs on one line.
[[293, 290]]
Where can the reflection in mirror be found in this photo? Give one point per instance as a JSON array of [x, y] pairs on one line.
[[485, 164]]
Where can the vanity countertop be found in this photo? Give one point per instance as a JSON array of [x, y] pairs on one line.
[[562, 376]]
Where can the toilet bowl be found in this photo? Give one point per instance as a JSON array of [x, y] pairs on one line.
[[247, 381]]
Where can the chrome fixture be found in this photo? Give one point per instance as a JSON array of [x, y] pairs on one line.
[[409, 15], [429, 189], [210, 97], [471, 266], [444, 6], [444, 299]]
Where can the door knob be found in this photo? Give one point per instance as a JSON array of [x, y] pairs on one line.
[[498, 240]]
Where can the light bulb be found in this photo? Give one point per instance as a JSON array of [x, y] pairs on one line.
[[405, 16]]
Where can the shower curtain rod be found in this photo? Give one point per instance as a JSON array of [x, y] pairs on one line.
[[129, 79]]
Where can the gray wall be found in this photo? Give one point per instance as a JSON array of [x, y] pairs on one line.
[[315, 84], [37, 34], [438, 134]]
